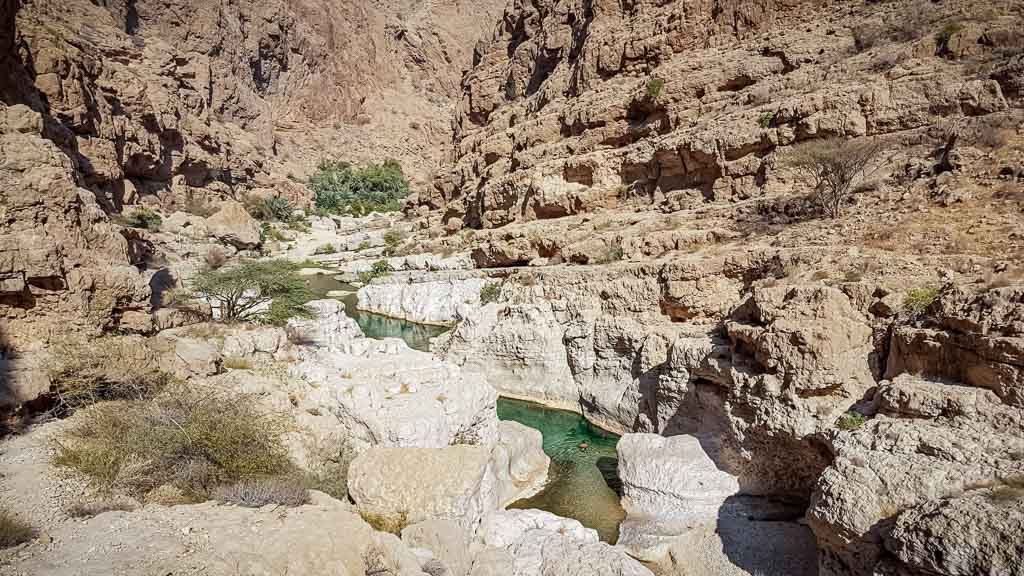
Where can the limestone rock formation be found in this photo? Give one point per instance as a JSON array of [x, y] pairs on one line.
[[63, 264], [932, 445], [433, 299], [219, 539], [669, 487], [536, 543], [457, 483]]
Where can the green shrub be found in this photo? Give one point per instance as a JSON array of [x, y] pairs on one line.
[[13, 531], [379, 269], [241, 292], [392, 240], [654, 87], [269, 208], [325, 249], [268, 232], [851, 421], [142, 218], [364, 245], [190, 438], [490, 292], [344, 189], [919, 299], [109, 368], [942, 37], [766, 119]]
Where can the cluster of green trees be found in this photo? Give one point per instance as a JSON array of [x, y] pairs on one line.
[[341, 188]]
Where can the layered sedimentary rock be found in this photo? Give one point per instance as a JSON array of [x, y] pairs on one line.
[[573, 107]]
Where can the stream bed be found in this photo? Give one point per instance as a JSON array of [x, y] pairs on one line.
[[582, 482]]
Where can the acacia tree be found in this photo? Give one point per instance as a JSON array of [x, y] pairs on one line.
[[255, 291], [835, 167]]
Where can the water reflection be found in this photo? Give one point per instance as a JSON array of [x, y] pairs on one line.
[[417, 336], [583, 482]]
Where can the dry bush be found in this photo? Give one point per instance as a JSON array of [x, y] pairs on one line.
[[393, 524], [90, 509], [377, 564], [107, 368], [215, 257], [911, 24], [13, 531], [188, 437], [835, 167], [235, 363], [258, 492]]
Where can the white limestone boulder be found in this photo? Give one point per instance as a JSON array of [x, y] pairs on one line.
[[537, 543], [670, 486]]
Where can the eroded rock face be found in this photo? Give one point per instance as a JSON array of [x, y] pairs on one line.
[[63, 265], [434, 299], [382, 391], [576, 106], [931, 442], [974, 339]]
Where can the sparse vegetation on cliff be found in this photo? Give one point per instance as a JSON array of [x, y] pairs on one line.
[[834, 168], [341, 188], [654, 87], [918, 300], [851, 421], [142, 218], [490, 292], [378, 269]]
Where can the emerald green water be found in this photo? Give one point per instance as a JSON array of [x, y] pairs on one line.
[[582, 483], [417, 336]]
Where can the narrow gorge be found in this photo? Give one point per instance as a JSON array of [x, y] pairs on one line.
[[512, 288]]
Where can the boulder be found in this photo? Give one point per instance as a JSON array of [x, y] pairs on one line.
[[396, 487], [233, 225], [186, 357], [537, 543], [979, 533], [669, 487], [446, 540], [329, 328], [521, 461]]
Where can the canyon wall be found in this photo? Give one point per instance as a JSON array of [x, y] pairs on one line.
[[578, 106]]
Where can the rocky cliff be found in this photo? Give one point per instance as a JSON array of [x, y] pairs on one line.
[[576, 106]]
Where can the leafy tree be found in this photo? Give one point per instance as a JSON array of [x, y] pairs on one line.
[[344, 189], [243, 292], [834, 168]]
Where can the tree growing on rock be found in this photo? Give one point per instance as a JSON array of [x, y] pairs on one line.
[[835, 168], [268, 291]]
